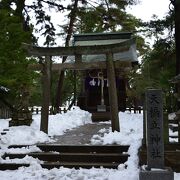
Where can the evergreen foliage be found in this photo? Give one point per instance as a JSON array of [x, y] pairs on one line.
[[158, 63], [13, 62]]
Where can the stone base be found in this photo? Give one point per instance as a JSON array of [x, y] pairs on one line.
[[101, 108], [166, 174], [20, 118]]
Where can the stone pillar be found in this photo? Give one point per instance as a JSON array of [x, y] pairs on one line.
[[155, 142]]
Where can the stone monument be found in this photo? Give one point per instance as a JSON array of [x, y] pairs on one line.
[[22, 115], [154, 139]]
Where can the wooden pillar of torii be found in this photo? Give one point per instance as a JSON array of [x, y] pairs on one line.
[[46, 89], [78, 51], [112, 92]]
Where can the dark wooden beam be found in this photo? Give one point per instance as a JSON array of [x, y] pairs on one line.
[[78, 58], [112, 93], [46, 78], [72, 50], [83, 65]]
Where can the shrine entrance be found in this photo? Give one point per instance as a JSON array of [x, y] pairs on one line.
[[95, 96], [104, 59]]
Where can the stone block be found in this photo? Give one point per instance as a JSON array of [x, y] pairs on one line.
[[155, 141], [165, 174]]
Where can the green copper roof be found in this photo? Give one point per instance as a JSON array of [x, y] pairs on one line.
[[91, 39]]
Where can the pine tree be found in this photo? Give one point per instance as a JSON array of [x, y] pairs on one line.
[[14, 73], [158, 63]]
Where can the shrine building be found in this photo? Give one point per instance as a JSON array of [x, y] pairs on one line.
[[94, 96]]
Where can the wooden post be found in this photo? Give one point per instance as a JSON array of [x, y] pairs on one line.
[[46, 94], [144, 121], [112, 93], [51, 111], [78, 58], [166, 128]]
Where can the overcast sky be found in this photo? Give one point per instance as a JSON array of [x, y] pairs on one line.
[[144, 11], [147, 8]]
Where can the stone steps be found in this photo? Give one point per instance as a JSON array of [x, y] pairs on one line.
[[101, 116], [84, 156], [173, 128], [173, 136], [79, 148], [73, 157], [51, 165], [173, 121]]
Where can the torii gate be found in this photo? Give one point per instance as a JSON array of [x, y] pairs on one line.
[[78, 51]]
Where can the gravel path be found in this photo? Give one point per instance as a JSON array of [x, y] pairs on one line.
[[81, 135]]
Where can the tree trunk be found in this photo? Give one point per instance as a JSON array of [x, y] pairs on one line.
[[20, 6], [19, 12], [69, 34]]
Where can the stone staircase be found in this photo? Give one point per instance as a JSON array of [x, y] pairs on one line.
[[174, 126], [71, 156]]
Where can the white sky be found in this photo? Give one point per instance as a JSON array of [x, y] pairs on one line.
[[144, 10], [147, 8]]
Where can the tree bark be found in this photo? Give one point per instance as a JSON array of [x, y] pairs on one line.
[[69, 35], [20, 6]]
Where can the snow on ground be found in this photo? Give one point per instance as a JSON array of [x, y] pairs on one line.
[[171, 133], [131, 133], [58, 124], [4, 123], [30, 135]]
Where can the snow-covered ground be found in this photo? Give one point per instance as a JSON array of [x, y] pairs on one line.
[[131, 133]]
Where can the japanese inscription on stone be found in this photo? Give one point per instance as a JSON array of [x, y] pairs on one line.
[[155, 145]]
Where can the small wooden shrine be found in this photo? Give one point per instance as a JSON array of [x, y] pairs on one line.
[[94, 96], [103, 60]]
